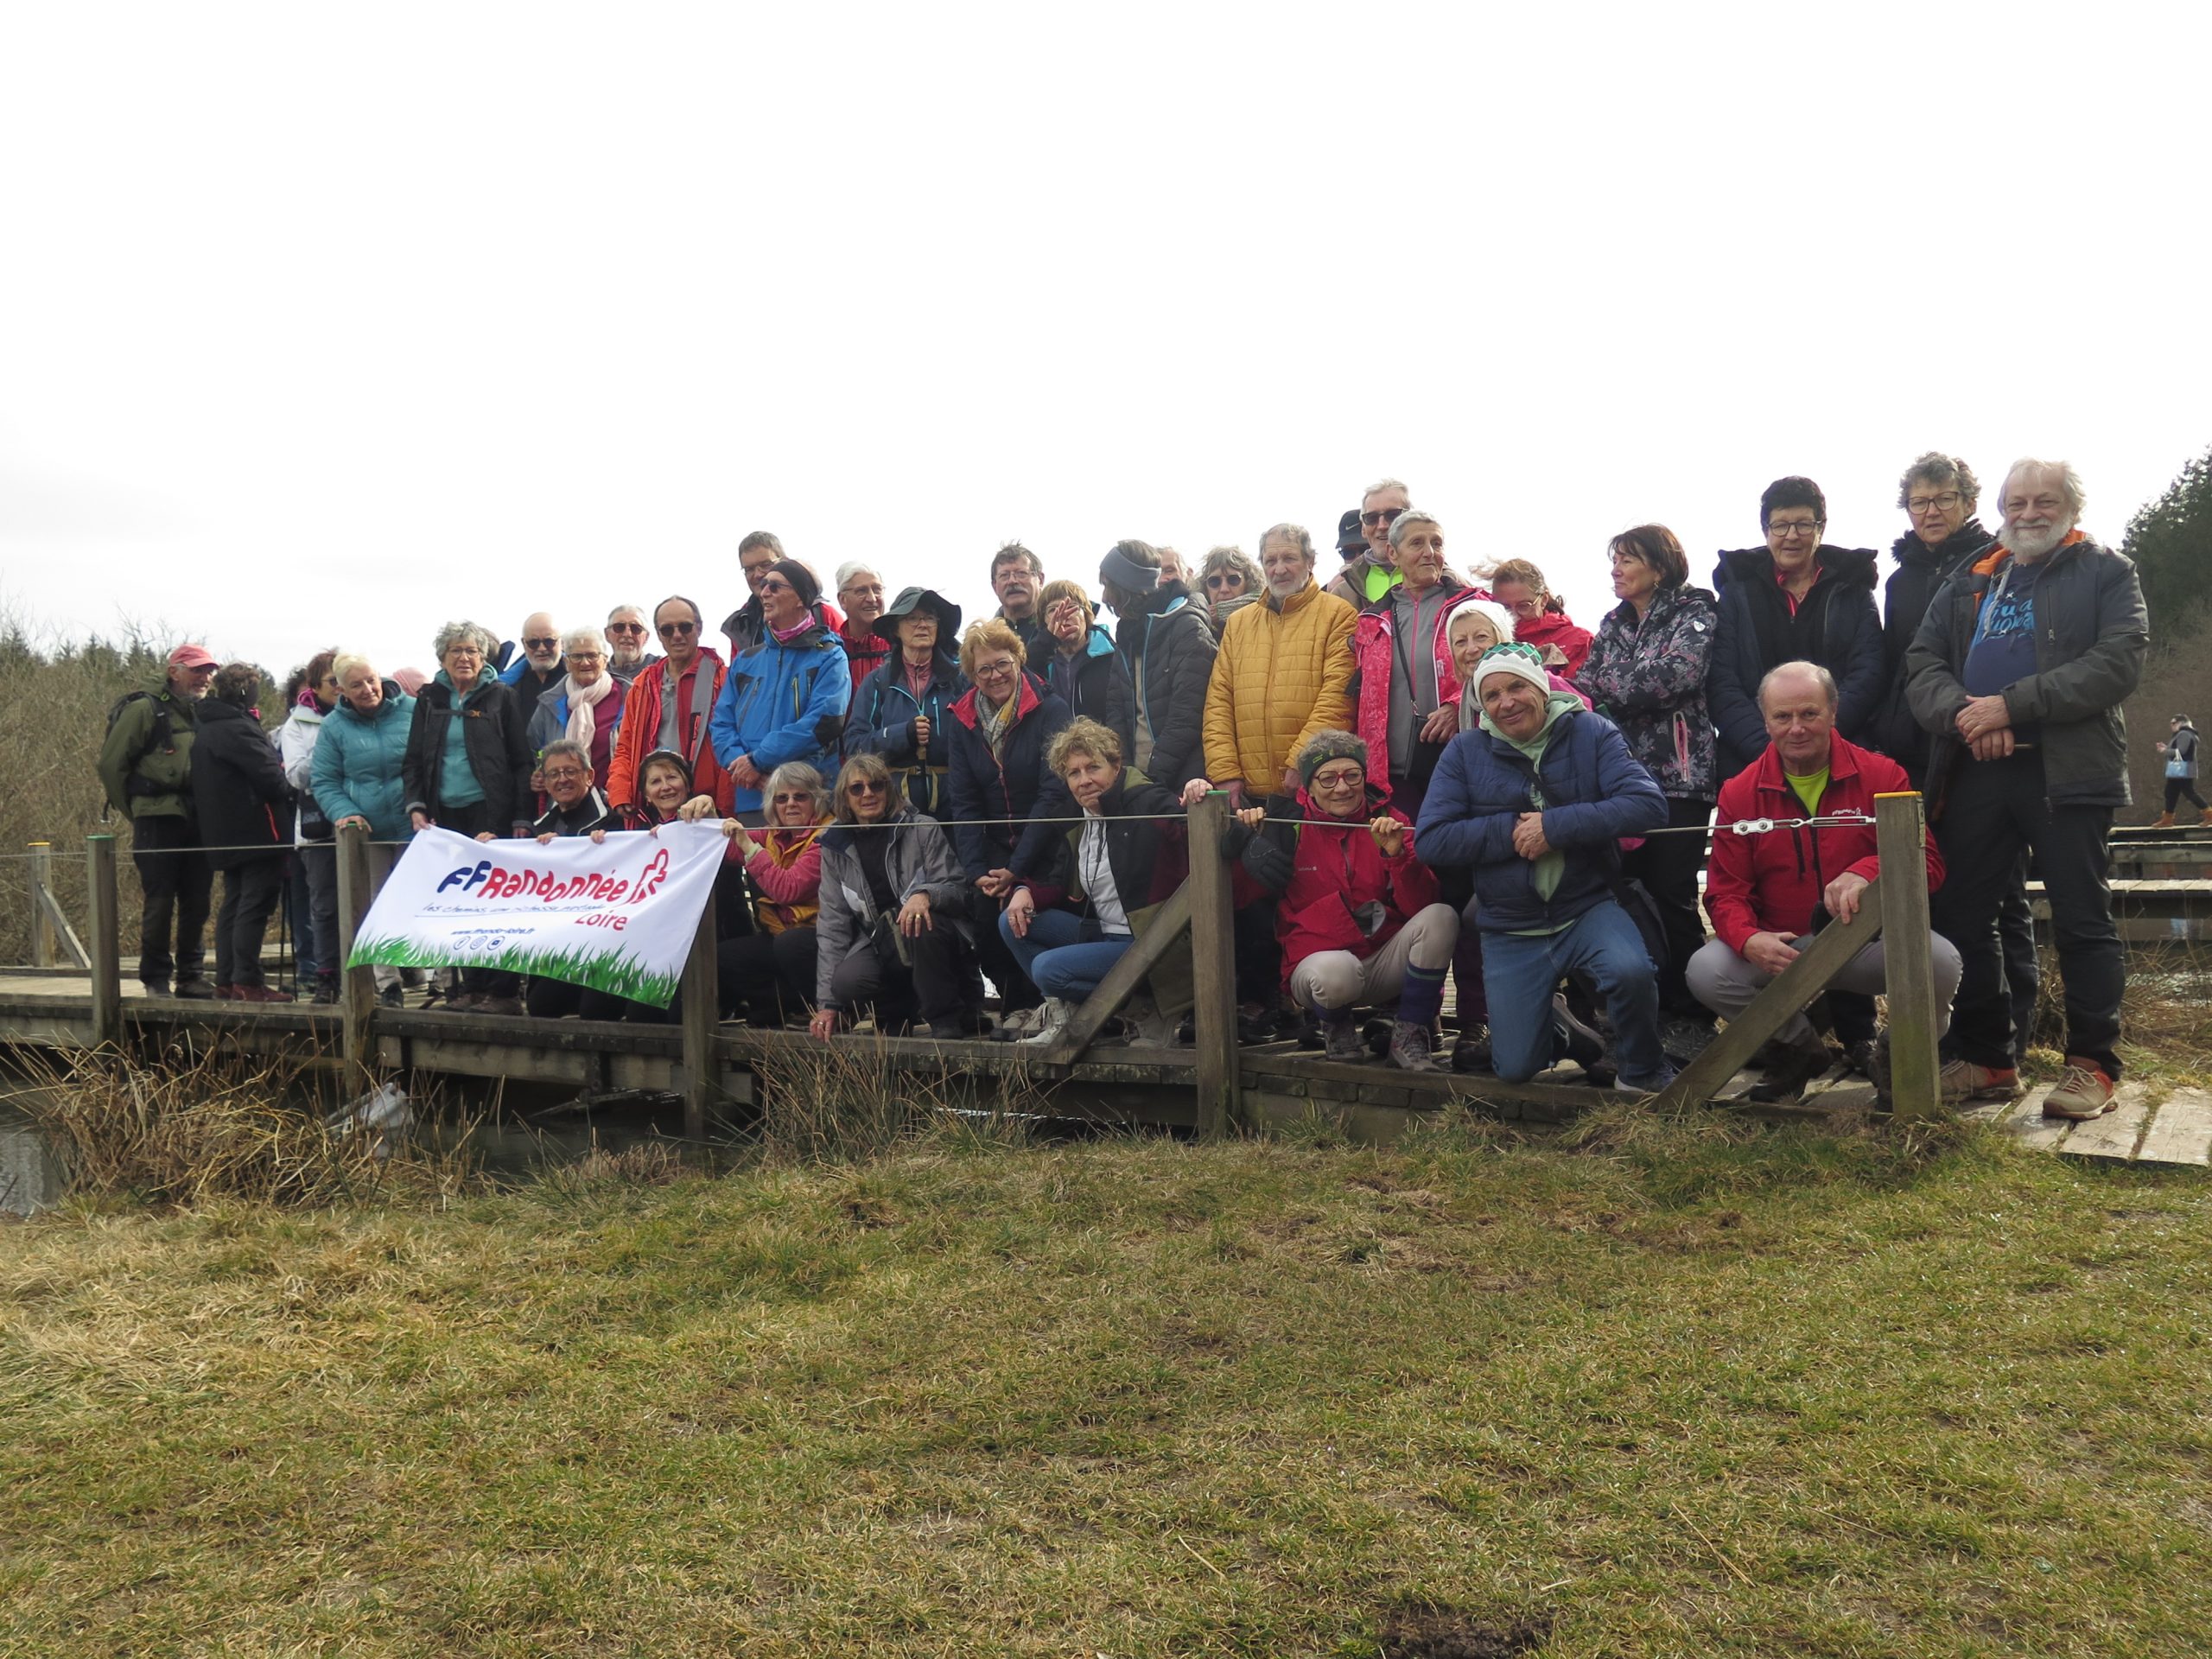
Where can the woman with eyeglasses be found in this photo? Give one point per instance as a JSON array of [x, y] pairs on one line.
[[1359, 916], [467, 769], [1000, 782], [1166, 644], [1796, 600], [768, 975], [892, 933], [670, 706], [1939, 493], [1083, 666], [786, 698], [585, 704]]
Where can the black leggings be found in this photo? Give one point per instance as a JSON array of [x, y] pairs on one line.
[[2177, 787]]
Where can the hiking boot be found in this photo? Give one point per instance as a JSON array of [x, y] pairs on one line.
[[950, 1029], [1148, 1025], [1574, 1041], [1340, 1037], [2083, 1092], [1859, 1056], [1623, 1086], [1878, 1068], [1964, 1081], [197, 989], [2163, 821], [258, 993], [506, 1005], [2205, 822], [155, 986], [391, 997], [1052, 1018], [1471, 1053], [1409, 1050], [326, 988], [1798, 1065]]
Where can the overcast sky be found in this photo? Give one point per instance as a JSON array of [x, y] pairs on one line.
[[323, 325]]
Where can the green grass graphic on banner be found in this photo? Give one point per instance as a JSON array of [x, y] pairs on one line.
[[620, 974]]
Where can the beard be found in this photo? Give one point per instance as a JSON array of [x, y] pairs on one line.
[[2033, 544]]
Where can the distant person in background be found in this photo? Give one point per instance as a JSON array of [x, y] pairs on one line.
[[1284, 672], [2020, 672], [1939, 493], [1171, 568], [538, 670], [244, 808], [628, 636], [585, 704], [145, 767], [466, 769], [902, 710], [1796, 600], [767, 977], [411, 680], [1017, 574], [786, 699], [313, 847], [2180, 751], [671, 705], [356, 770], [1540, 617], [1406, 687], [1646, 672], [1082, 664], [1366, 577], [859, 590], [1167, 646], [755, 553]]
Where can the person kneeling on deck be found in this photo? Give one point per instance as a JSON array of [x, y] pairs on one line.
[[1766, 893], [1533, 801], [1128, 855], [576, 806], [892, 933], [1360, 918]]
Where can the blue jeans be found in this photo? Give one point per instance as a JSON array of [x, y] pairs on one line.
[[1064, 955], [1521, 974]]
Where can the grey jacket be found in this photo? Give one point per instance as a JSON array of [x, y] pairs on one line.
[[921, 860], [2091, 634]]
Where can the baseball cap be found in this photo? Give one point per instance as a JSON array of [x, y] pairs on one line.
[[191, 656]]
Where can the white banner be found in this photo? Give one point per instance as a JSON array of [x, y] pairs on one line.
[[618, 917]]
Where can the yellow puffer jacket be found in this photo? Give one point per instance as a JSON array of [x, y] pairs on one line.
[[1280, 677]]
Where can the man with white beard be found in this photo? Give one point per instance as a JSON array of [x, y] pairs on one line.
[[2018, 670]]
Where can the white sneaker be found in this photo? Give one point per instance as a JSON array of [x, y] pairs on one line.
[[1051, 1018]]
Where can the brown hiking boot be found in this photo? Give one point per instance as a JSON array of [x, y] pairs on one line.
[[2206, 821], [1964, 1081], [2083, 1091], [2163, 821]]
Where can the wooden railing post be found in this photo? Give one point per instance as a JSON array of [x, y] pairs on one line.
[[357, 987], [40, 865], [702, 1023], [1213, 971], [106, 920], [1901, 835]]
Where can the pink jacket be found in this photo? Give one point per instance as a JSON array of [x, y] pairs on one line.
[[1372, 643]]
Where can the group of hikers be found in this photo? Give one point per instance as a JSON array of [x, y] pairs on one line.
[[1430, 774]]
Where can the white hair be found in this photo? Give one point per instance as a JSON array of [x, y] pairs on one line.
[[852, 568], [637, 611], [1401, 526], [2069, 482], [1383, 484], [575, 638]]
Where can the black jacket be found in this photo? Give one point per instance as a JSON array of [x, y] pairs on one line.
[[238, 788], [2091, 635], [1836, 626], [1169, 647], [589, 813], [1147, 849], [1922, 571], [1095, 685], [994, 801], [496, 740]]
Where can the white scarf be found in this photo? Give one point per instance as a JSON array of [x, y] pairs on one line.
[[581, 724]]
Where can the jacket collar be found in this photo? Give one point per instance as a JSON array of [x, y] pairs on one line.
[[1297, 601]]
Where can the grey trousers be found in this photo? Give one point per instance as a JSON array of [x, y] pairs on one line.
[[1336, 979], [1725, 982]]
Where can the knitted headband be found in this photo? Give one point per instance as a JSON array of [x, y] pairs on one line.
[[1517, 660], [1125, 572], [1325, 746]]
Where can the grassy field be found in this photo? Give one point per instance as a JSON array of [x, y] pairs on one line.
[[1684, 1391]]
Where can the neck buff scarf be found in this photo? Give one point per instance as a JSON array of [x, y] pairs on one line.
[[582, 699], [785, 636]]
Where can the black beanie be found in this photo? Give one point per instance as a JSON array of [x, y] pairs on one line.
[[801, 579]]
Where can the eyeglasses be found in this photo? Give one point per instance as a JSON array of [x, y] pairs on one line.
[[583, 656], [1345, 777], [1789, 527], [1380, 517], [997, 671], [565, 775], [861, 590], [626, 627], [667, 628], [1944, 502], [540, 641]]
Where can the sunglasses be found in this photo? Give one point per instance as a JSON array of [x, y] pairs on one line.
[[1380, 515], [540, 641], [667, 628], [794, 800], [863, 788], [626, 627], [1223, 579], [776, 585]]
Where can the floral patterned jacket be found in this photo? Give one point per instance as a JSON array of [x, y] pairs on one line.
[[1648, 679]]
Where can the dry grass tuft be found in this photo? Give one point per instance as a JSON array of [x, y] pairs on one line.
[[835, 1104], [220, 1128]]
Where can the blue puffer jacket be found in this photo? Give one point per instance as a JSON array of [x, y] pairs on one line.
[[882, 721], [355, 770], [1594, 793], [783, 702]]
